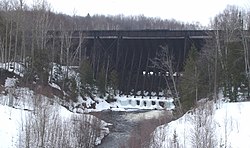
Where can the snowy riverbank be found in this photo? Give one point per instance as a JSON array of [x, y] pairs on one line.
[[210, 125]]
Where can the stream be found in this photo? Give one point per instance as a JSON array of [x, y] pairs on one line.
[[138, 124]]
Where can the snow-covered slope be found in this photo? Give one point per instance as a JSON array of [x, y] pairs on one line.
[[206, 126], [14, 124], [34, 120]]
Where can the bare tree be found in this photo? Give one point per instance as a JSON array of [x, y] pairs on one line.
[[164, 62], [203, 132], [45, 127], [245, 42], [217, 37]]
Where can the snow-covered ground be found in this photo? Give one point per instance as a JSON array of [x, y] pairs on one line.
[[13, 132], [210, 125], [23, 114]]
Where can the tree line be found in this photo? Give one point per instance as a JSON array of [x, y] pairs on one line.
[[223, 63]]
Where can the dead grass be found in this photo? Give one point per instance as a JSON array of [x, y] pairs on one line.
[[140, 137]]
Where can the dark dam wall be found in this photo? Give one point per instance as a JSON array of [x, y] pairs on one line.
[[129, 53]]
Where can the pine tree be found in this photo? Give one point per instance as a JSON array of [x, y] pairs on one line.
[[189, 83], [41, 66], [234, 76], [73, 91], [113, 82], [101, 83], [86, 78], [39, 72]]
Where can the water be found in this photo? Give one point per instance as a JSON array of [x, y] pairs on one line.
[[119, 131], [127, 124]]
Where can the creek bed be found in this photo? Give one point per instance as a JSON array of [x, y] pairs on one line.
[[135, 124]]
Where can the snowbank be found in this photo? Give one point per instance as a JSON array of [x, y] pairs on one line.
[[31, 111], [227, 126]]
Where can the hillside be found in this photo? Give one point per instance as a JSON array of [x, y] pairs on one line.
[[35, 120], [210, 125]]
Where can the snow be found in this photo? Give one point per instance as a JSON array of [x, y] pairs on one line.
[[227, 125], [25, 110], [123, 103], [220, 125], [12, 120], [55, 86], [13, 67], [235, 118], [10, 82], [9, 126], [146, 102], [102, 105]]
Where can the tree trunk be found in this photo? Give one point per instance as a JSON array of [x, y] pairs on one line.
[[216, 64]]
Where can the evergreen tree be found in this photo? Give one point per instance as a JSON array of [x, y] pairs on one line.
[[41, 66], [234, 74], [39, 72], [113, 82], [101, 83], [72, 88], [86, 77], [189, 83]]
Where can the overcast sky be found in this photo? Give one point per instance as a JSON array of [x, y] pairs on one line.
[[182, 10]]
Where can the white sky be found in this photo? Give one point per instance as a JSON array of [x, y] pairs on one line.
[[182, 10]]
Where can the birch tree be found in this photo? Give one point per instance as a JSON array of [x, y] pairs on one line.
[[245, 43]]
